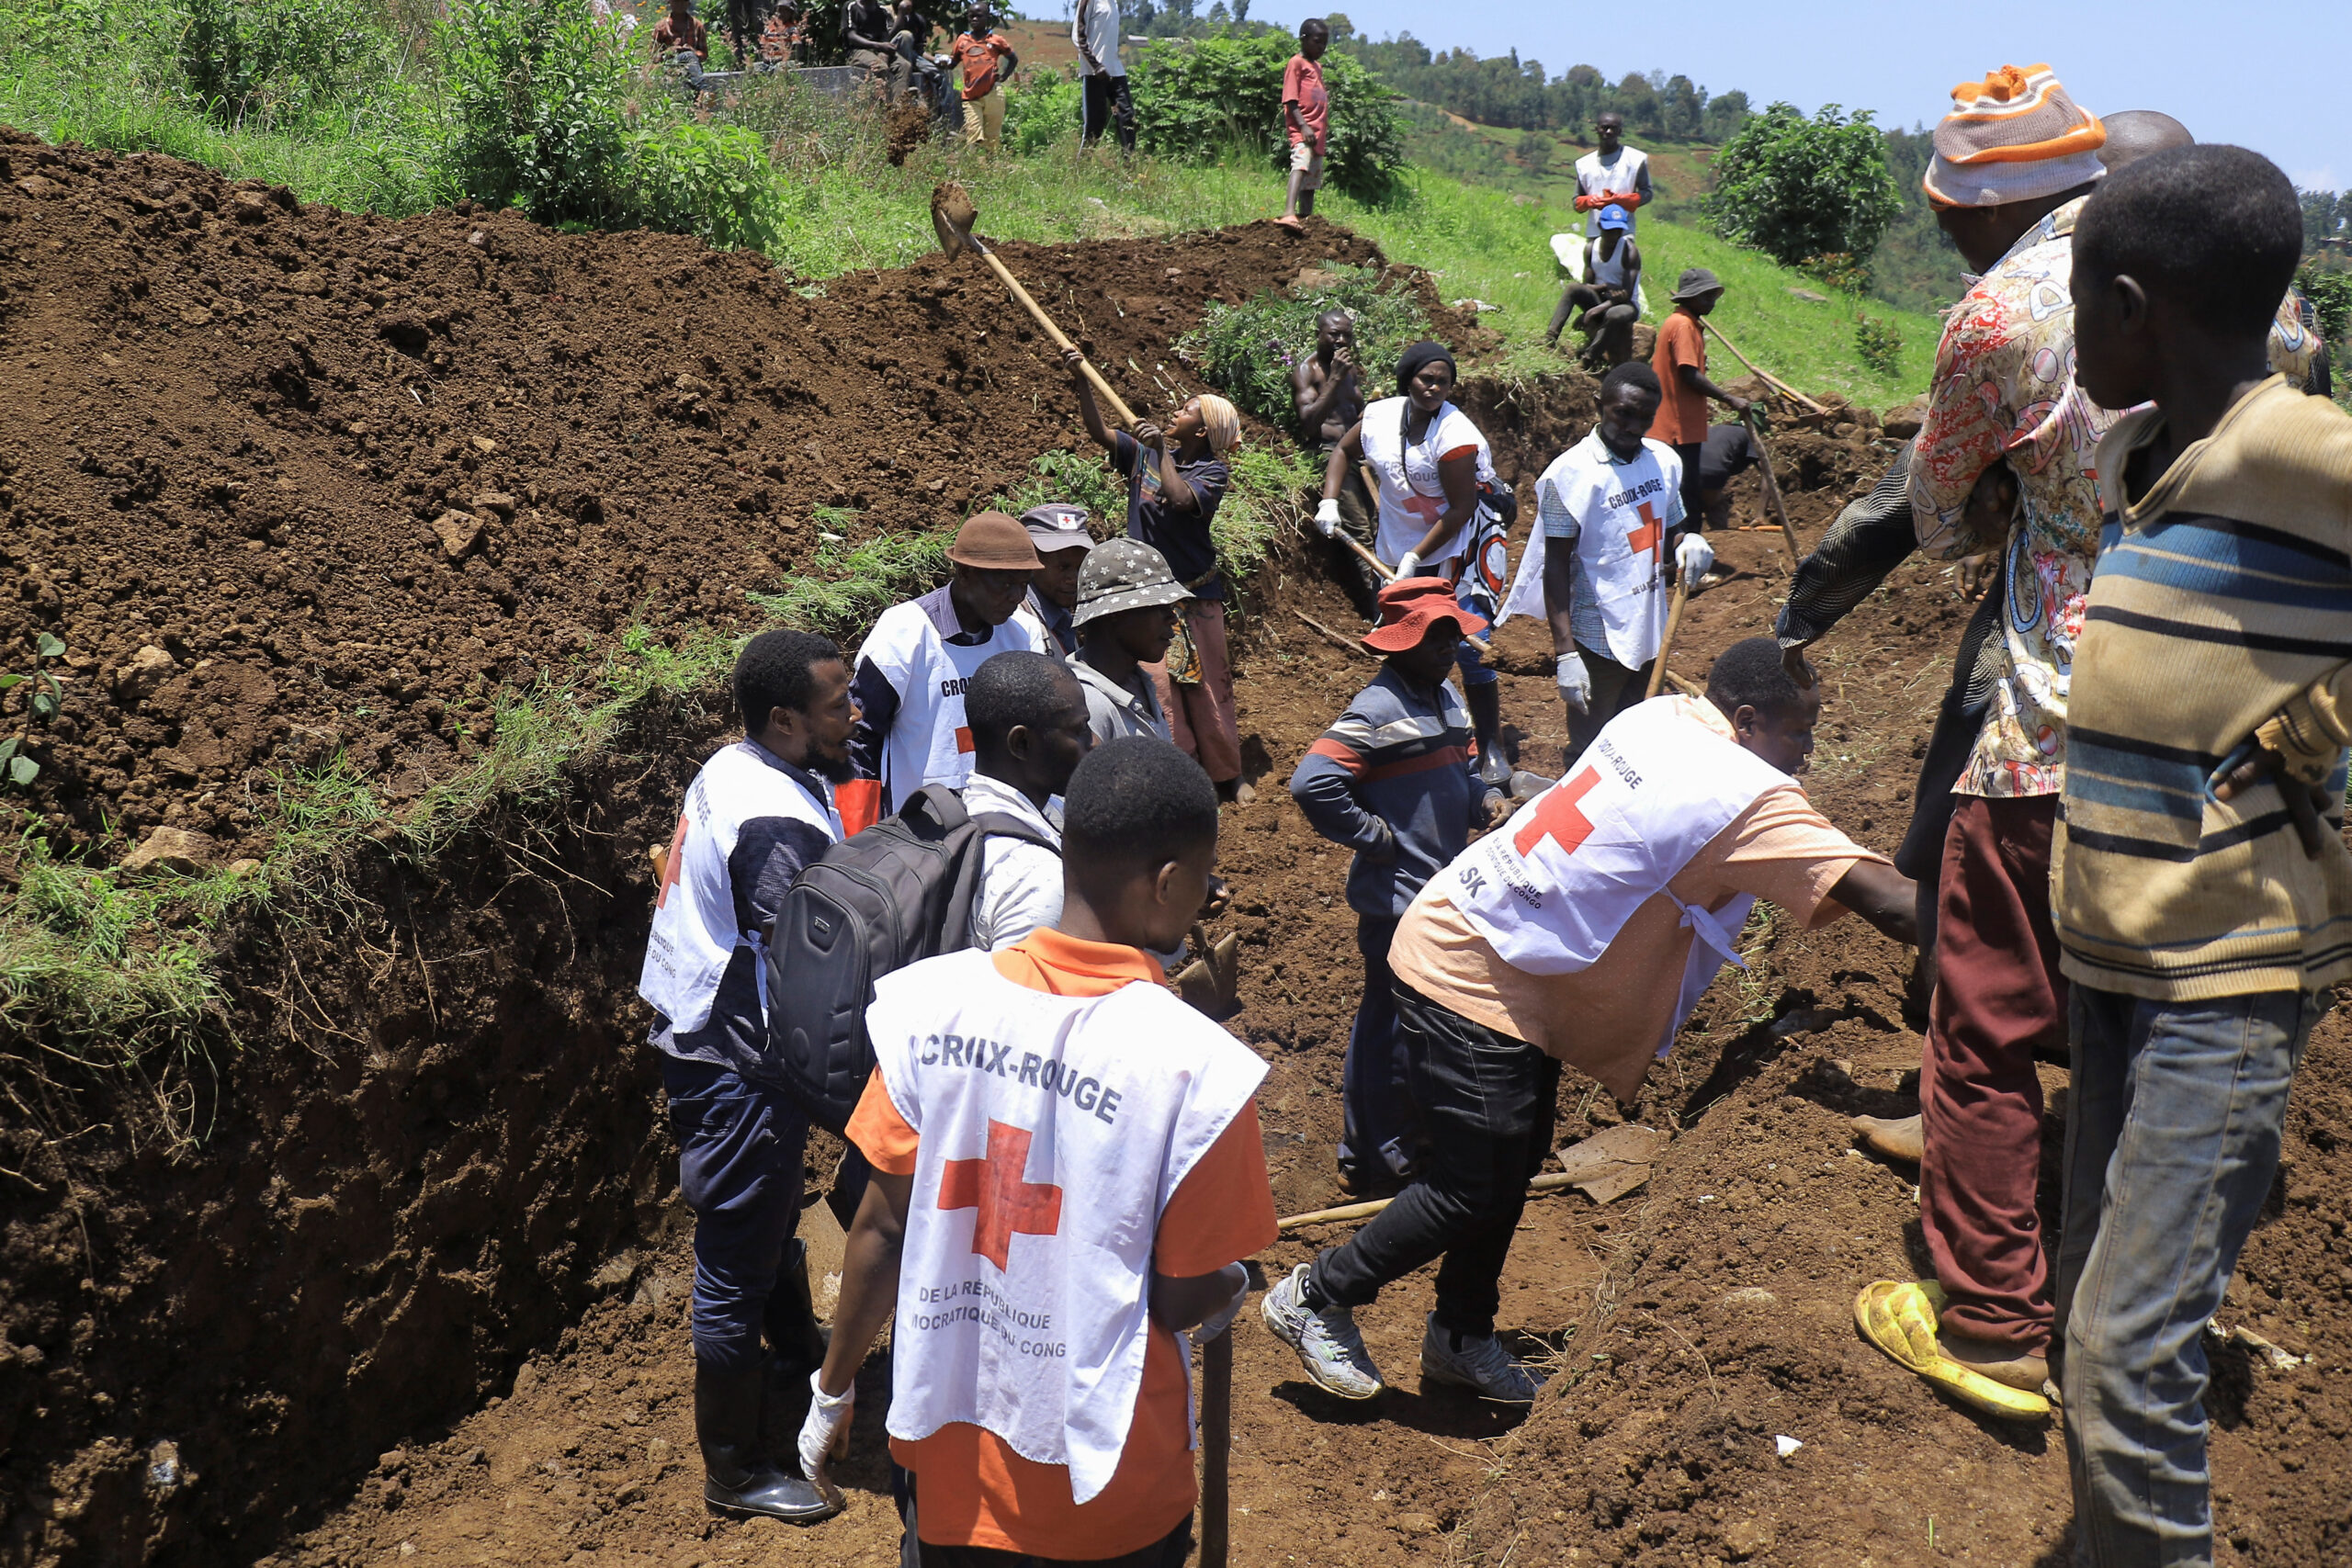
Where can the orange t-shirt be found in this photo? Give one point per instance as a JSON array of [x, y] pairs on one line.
[[1606, 1021], [1682, 412], [978, 56], [972, 1489]]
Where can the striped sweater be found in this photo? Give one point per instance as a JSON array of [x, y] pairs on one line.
[[1394, 779], [2221, 604]]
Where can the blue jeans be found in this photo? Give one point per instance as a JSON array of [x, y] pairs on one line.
[[1376, 1139], [2171, 1140], [739, 1150]]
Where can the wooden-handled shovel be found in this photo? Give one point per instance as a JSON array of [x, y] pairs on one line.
[[1216, 1446], [1673, 625], [952, 217]]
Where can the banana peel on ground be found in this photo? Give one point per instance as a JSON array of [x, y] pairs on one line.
[[1900, 1318], [1211, 983]]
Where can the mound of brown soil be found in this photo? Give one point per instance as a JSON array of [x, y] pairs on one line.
[[352, 476]]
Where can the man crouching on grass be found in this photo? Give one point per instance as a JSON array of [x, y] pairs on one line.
[[1068, 1165]]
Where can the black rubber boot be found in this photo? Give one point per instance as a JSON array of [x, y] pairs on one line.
[[1485, 705], [736, 1481]]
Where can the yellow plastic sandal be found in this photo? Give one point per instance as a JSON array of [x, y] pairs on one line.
[[1899, 1318]]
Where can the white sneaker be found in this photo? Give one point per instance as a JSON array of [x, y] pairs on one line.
[[1482, 1364], [1329, 1343]]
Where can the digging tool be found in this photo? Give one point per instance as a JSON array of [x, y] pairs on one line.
[[1772, 496], [1541, 1184], [1764, 376], [1216, 1446], [952, 216], [1673, 625], [1334, 637], [1211, 983]]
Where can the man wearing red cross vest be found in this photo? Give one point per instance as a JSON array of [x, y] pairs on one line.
[[1068, 1169], [1582, 931], [1613, 538]]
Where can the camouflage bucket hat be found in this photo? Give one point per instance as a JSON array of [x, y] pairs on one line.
[[1125, 575]]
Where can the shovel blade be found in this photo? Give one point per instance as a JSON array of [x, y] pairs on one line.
[[952, 216]]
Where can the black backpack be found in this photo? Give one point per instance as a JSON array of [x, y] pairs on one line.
[[898, 891]]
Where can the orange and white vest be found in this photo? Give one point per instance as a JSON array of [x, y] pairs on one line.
[[1053, 1131], [929, 742], [1551, 889], [694, 933]]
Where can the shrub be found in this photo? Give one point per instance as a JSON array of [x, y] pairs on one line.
[[1249, 350], [2330, 292], [1879, 343], [257, 59], [1039, 109], [710, 180], [1795, 187], [1206, 99]]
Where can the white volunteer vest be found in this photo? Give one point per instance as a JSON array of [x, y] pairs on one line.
[[929, 742], [1053, 1131], [1551, 889], [694, 932], [1620, 176], [1620, 511], [1411, 498]]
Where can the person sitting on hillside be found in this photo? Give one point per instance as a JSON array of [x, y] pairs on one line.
[[1175, 479], [681, 30], [783, 38], [977, 48], [1611, 175], [1608, 293], [1584, 932], [1059, 530], [1099, 1194], [914, 664], [757, 812], [878, 46], [1307, 115], [1029, 733], [1127, 611], [1681, 361], [1326, 389], [1392, 779]]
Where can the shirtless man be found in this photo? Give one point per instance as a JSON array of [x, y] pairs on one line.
[[1327, 391]]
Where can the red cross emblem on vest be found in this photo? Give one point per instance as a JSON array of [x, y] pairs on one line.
[[1008, 1202], [1557, 816], [1649, 536]]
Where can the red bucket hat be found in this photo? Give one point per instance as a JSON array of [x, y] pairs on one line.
[[1410, 607]]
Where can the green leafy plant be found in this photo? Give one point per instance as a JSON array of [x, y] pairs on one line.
[[248, 58], [1207, 98], [1040, 108], [2330, 292], [47, 697], [1249, 350], [1880, 342], [1794, 187]]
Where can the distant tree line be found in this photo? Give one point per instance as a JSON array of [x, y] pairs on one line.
[[1505, 91]]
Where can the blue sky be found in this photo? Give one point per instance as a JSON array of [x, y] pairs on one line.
[[2272, 84]]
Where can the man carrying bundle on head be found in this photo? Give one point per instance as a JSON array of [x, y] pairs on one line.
[[1583, 933], [1068, 1169], [1611, 536]]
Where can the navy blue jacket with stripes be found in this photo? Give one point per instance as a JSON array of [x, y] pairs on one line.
[[1397, 768]]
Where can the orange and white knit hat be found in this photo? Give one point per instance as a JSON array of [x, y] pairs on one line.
[[2015, 135]]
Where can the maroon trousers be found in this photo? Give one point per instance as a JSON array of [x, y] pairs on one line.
[[1998, 995]]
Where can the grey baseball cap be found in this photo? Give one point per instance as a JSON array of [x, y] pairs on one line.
[[1125, 574], [1055, 526]]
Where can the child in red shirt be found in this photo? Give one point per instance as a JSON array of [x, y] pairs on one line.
[[977, 48], [1306, 110]]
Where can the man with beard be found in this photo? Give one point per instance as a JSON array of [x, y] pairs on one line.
[[758, 812]]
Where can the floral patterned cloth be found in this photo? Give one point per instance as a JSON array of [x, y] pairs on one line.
[[2005, 389]]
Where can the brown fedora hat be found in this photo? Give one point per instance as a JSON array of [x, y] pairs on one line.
[[990, 541]]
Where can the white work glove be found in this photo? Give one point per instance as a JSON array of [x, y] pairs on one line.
[[1409, 566], [825, 1434], [1576, 686], [1693, 556], [1326, 519]]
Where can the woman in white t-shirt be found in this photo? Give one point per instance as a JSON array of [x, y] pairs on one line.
[[1442, 512]]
